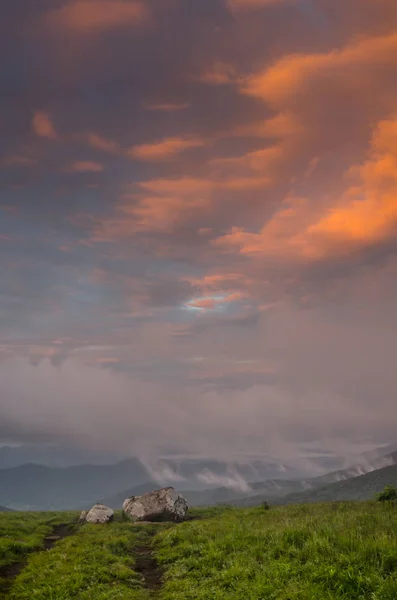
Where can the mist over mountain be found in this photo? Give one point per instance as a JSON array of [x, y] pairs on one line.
[[203, 481]]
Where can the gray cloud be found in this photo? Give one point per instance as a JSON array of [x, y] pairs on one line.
[[186, 302]]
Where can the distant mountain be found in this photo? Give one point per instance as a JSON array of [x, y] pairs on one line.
[[116, 500], [34, 487], [37, 487], [202, 481], [5, 509], [53, 456], [363, 487], [359, 487]]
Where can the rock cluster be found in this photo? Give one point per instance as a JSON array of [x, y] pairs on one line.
[[165, 504]]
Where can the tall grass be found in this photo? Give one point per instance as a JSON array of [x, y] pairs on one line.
[[326, 552]]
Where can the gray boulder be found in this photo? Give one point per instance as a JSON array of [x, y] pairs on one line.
[[83, 516], [161, 505], [99, 514]]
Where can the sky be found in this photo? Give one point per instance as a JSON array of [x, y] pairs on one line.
[[198, 218]]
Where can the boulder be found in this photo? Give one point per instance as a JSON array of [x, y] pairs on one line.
[[83, 516], [99, 514], [161, 505]]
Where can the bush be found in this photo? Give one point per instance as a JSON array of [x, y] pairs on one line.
[[265, 505], [389, 494]]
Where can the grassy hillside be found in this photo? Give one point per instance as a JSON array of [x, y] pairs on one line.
[[327, 552], [337, 551]]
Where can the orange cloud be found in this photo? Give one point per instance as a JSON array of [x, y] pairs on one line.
[[163, 204], [354, 65], [43, 126], [167, 107], [366, 212], [283, 125], [99, 143], [91, 16], [220, 74], [86, 166], [165, 149], [214, 302], [254, 170], [245, 5]]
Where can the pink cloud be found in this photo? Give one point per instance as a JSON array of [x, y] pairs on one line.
[[83, 166], [92, 16], [42, 125], [164, 149]]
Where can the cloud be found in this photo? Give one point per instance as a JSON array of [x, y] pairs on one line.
[[220, 74], [165, 149], [355, 66], [168, 107], [164, 205], [83, 166], [100, 143], [365, 214], [94, 16], [211, 241], [248, 5], [213, 302], [42, 125], [17, 161]]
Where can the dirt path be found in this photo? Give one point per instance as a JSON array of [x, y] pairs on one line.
[[146, 564], [9, 572]]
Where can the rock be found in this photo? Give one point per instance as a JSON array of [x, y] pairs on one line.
[[83, 516], [161, 505], [99, 514]]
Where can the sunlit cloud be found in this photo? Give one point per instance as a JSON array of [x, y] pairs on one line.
[[83, 166], [248, 5], [164, 149], [167, 107], [217, 302], [100, 143], [42, 125], [90, 16], [199, 221]]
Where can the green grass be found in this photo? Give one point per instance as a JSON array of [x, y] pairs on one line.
[[337, 551], [326, 552], [22, 533], [96, 563]]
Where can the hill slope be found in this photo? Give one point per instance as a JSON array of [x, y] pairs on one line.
[[363, 487]]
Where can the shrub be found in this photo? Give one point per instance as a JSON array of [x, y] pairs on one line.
[[388, 495]]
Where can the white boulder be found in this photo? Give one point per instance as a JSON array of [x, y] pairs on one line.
[[165, 504], [100, 514]]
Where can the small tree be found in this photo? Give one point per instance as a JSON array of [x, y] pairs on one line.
[[389, 494], [265, 505]]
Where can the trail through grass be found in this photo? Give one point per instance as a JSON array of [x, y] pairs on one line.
[[97, 563], [20, 535]]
